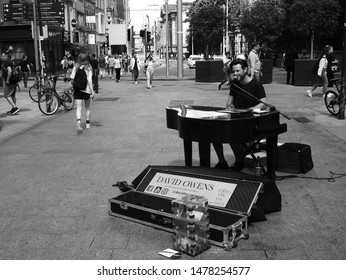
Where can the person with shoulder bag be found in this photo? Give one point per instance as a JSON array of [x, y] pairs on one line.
[[83, 88], [134, 67], [149, 63], [321, 72], [10, 86]]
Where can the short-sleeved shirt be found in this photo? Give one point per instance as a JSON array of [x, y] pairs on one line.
[[94, 63], [5, 64], [239, 100], [24, 66]]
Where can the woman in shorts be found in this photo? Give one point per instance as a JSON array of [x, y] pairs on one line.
[[83, 62]]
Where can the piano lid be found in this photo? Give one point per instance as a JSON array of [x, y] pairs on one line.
[[204, 112]]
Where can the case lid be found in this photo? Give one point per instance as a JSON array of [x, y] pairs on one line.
[[230, 194]]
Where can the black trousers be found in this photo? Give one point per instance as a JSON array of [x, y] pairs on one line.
[[290, 73], [95, 79]]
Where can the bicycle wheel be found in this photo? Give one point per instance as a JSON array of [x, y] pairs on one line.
[[331, 99], [33, 93], [68, 99], [49, 103]]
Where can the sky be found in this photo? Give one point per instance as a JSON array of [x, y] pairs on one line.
[[139, 9]]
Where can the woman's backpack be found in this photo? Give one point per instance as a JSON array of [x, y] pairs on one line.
[[80, 80]]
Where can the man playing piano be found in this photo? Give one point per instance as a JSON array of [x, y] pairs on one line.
[[242, 87]]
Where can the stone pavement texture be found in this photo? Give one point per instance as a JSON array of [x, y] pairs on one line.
[[55, 184]]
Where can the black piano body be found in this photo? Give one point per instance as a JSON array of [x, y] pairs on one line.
[[206, 125]]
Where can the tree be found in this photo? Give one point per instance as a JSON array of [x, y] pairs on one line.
[[313, 19], [263, 21], [206, 25]]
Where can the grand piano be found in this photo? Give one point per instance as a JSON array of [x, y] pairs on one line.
[[206, 125]]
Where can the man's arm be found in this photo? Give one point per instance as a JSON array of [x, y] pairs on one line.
[[9, 74], [252, 61], [229, 103], [260, 105]]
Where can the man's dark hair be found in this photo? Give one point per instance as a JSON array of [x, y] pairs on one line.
[[254, 44], [242, 62]]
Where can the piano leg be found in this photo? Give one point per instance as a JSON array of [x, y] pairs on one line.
[[188, 152], [272, 143], [204, 154]]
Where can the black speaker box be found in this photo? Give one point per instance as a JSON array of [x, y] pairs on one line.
[[294, 158]]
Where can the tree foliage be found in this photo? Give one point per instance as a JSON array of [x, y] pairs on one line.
[[263, 21], [206, 25], [313, 18]]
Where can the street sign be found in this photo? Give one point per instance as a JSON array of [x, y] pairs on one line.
[[52, 13], [73, 23], [13, 11], [48, 12]]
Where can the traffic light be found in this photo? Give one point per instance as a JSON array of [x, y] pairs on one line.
[[148, 36], [128, 34], [76, 37], [142, 33], [107, 40]]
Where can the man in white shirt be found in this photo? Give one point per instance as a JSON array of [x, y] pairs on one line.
[[254, 61]]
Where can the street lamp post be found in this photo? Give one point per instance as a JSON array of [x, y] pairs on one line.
[[343, 75], [180, 38], [167, 39]]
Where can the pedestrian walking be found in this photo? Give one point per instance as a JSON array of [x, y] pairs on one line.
[[290, 58], [149, 63], [81, 71], [254, 61], [135, 67], [95, 65], [64, 65], [70, 65], [332, 65], [10, 87], [226, 63], [102, 66], [111, 64], [321, 72], [117, 67], [25, 69]]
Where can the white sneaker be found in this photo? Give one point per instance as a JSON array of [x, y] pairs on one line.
[[309, 92], [79, 128], [87, 125]]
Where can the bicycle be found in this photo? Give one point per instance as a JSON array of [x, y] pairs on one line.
[[332, 99], [50, 101], [38, 87]]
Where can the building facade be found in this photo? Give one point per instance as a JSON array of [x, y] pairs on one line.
[[169, 22], [81, 28]]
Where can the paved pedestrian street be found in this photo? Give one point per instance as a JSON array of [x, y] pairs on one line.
[[55, 184]]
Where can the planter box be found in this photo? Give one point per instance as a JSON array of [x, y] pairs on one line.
[[209, 71], [303, 76], [267, 71]]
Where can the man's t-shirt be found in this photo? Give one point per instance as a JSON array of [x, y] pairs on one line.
[[24, 66], [94, 63], [6, 63], [240, 101]]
